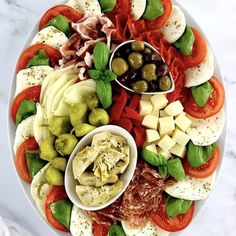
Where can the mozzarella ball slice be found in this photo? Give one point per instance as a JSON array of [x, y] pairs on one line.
[[40, 195], [138, 8], [31, 77], [50, 36], [205, 132], [192, 188], [81, 224], [175, 25], [24, 131], [202, 73]]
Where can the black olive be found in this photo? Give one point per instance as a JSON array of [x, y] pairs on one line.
[[163, 69], [153, 57], [152, 86]]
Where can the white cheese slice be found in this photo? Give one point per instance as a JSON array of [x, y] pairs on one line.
[[24, 131], [174, 26], [50, 36], [205, 132], [192, 188], [200, 74], [31, 77], [80, 224], [138, 8]]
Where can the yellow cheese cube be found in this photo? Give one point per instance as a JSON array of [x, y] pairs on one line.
[[152, 148], [145, 108], [183, 122], [155, 113], [152, 135], [165, 154], [166, 143], [174, 108], [163, 113], [178, 150], [166, 125], [159, 101], [150, 122], [180, 137], [145, 97]]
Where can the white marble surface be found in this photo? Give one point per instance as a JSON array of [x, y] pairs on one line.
[[217, 18]]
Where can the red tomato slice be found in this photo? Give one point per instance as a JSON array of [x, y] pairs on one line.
[[212, 107], [100, 229], [171, 224], [31, 93], [57, 193], [53, 54], [203, 171], [20, 162], [70, 13], [199, 51]]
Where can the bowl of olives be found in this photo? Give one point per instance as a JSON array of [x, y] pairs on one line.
[[141, 69]]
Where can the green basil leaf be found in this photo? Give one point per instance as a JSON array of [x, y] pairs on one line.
[[202, 93], [101, 56], [107, 5], [176, 206], [175, 169], [185, 42], [152, 158], [163, 171], [116, 230], [104, 92], [95, 74], [153, 10], [108, 75], [200, 155], [40, 59]]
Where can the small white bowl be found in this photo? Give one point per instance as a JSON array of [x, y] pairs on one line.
[[131, 90], [71, 182]]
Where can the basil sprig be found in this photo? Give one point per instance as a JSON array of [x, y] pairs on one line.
[[40, 59], [107, 5], [153, 10], [101, 75], [200, 155], [175, 169], [202, 93]]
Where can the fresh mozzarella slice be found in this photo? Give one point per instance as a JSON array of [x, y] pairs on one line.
[[87, 7], [31, 77], [39, 190], [77, 92], [24, 131], [192, 188], [205, 132], [138, 8], [175, 25], [148, 230], [200, 74], [50, 36], [81, 224]]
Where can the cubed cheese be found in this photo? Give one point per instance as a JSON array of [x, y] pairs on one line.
[[145, 97], [163, 113], [166, 143], [152, 135], [155, 113], [145, 108], [180, 137], [166, 125], [159, 101], [150, 122], [178, 150], [183, 122], [174, 108], [152, 148], [165, 154]]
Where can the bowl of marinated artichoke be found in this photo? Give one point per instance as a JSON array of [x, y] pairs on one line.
[[100, 167]]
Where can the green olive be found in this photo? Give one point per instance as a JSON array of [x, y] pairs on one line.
[[135, 60], [140, 86], [98, 117], [78, 114], [92, 102], [149, 72], [47, 150], [59, 163], [147, 50], [65, 144], [119, 66], [59, 125], [54, 177], [83, 129], [138, 46], [165, 83]]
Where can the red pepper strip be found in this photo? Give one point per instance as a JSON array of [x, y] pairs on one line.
[[139, 136], [131, 114], [124, 123], [122, 27], [134, 101], [137, 123]]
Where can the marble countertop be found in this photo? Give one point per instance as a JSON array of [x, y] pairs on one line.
[[216, 18]]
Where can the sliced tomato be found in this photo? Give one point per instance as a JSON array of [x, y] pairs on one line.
[[212, 107], [100, 229], [57, 193], [199, 51], [70, 13], [53, 54], [31, 93], [20, 162], [171, 224], [203, 171]]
